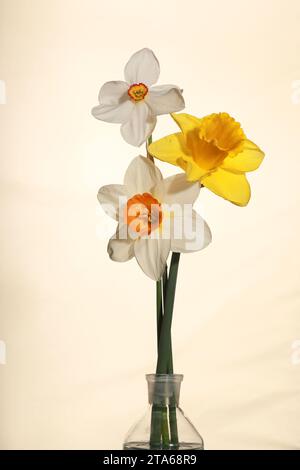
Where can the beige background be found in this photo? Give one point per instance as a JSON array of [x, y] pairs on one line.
[[80, 329]]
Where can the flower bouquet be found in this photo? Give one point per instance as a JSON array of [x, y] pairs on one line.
[[155, 215]]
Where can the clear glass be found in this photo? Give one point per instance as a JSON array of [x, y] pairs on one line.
[[165, 425]]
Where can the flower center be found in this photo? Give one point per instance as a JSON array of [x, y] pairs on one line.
[[207, 155], [143, 214], [138, 91], [217, 137]]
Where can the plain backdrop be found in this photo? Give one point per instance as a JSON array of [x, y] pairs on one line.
[[79, 329]]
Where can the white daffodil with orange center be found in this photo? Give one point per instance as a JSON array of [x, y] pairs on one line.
[[155, 216], [135, 103], [214, 151]]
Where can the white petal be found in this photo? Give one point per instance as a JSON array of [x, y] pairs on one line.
[[140, 125], [113, 92], [141, 176], [111, 198], [120, 249], [142, 67], [165, 99], [152, 254], [190, 234], [115, 105], [176, 190]]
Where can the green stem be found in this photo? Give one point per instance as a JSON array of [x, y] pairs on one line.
[[165, 284], [172, 406], [165, 415], [159, 309], [149, 141], [165, 429], [165, 334], [159, 417], [165, 364], [157, 411], [165, 294], [156, 427]]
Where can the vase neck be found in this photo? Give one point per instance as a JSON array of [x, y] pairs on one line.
[[164, 389]]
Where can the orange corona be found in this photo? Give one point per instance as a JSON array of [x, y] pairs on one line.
[[138, 91], [143, 214]]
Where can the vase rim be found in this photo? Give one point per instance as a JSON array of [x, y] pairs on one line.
[[164, 377]]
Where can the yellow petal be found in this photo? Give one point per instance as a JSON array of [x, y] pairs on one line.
[[248, 159], [169, 149], [186, 122], [193, 171], [231, 186]]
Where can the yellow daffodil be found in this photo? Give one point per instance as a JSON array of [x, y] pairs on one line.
[[213, 150]]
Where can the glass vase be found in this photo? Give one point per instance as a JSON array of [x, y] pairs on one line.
[[164, 426]]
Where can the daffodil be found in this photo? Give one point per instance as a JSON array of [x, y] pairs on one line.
[[135, 103], [214, 151], [154, 215]]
